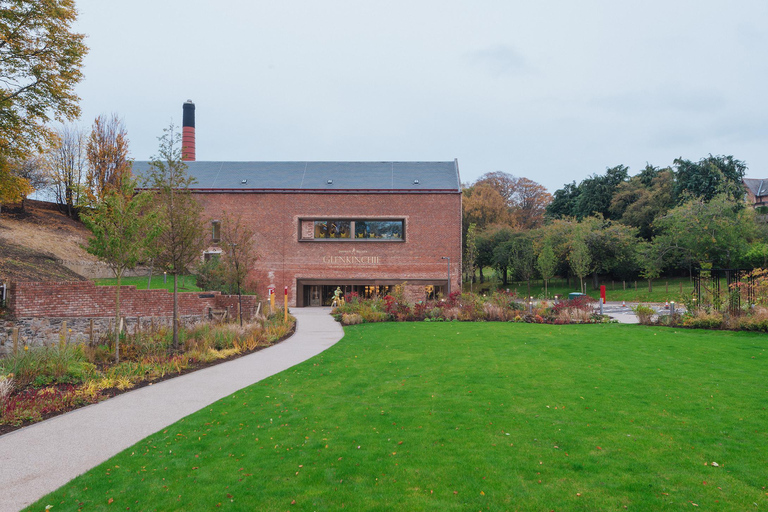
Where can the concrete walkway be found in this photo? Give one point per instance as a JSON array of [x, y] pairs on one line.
[[41, 458]]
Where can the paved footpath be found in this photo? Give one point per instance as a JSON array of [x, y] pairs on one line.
[[41, 458]]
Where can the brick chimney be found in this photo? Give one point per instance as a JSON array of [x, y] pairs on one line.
[[188, 132]]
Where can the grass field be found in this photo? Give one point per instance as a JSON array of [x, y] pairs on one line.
[[665, 289], [469, 416], [186, 283]]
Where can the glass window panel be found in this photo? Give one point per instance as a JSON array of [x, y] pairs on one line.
[[379, 229], [332, 229]]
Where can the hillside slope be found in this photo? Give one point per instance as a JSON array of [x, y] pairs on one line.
[[33, 244]]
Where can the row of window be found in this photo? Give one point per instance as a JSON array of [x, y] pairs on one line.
[[393, 230], [344, 229]]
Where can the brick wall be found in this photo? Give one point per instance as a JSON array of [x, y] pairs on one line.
[[39, 308], [83, 299], [432, 230]]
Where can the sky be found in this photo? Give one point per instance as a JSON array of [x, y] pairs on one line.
[[554, 91]]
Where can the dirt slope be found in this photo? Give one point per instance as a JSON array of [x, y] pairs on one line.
[[33, 241]]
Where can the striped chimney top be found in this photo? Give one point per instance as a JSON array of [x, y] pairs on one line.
[[188, 132]]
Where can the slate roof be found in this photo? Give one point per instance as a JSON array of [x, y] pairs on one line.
[[757, 187], [315, 176]]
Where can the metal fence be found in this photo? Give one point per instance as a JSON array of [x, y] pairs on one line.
[[724, 288]]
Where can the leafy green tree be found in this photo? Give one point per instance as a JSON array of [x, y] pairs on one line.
[[563, 203], [611, 246], [470, 254], [122, 229], [546, 262], [180, 241], [639, 201], [40, 61], [487, 241], [716, 232], [596, 192], [580, 260], [650, 259], [522, 257], [709, 177]]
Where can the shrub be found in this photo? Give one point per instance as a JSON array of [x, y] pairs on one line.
[[702, 320], [644, 314], [351, 319]]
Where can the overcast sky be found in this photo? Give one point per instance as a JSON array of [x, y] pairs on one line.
[[550, 90]]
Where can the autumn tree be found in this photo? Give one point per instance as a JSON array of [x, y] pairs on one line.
[[239, 254], [180, 240], [13, 188], [66, 162], [529, 203], [122, 230], [108, 160], [483, 205], [40, 61]]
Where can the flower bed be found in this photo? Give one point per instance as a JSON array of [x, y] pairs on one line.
[[466, 307], [38, 383]]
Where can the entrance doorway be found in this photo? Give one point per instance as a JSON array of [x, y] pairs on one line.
[[316, 292]]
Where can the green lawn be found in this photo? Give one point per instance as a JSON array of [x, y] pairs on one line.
[[665, 289], [469, 416], [186, 283]]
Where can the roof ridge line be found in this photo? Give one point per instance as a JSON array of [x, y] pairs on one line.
[[301, 185]]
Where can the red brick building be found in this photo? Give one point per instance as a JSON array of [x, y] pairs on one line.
[[365, 227]]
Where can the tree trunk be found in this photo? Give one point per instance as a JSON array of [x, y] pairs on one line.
[[595, 281], [482, 278], [117, 318], [546, 292], [175, 312], [650, 286]]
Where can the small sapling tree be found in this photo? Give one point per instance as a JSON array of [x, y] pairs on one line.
[[122, 230], [239, 254], [180, 240]]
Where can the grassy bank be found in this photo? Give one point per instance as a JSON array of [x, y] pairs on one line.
[[470, 416], [185, 283], [666, 289]]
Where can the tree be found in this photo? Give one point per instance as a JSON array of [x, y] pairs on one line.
[[650, 258], [239, 255], [13, 188], [40, 61], [32, 170], [563, 203], [639, 201], [710, 176], [546, 263], [122, 231], [503, 183], [66, 166], [470, 254], [611, 246], [596, 192], [487, 241], [522, 257], [108, 161], [180, 239], [580, 260], [715, 232], [483, 205], [529, 203]]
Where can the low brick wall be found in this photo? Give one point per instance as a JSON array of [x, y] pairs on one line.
[[38, 310]]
